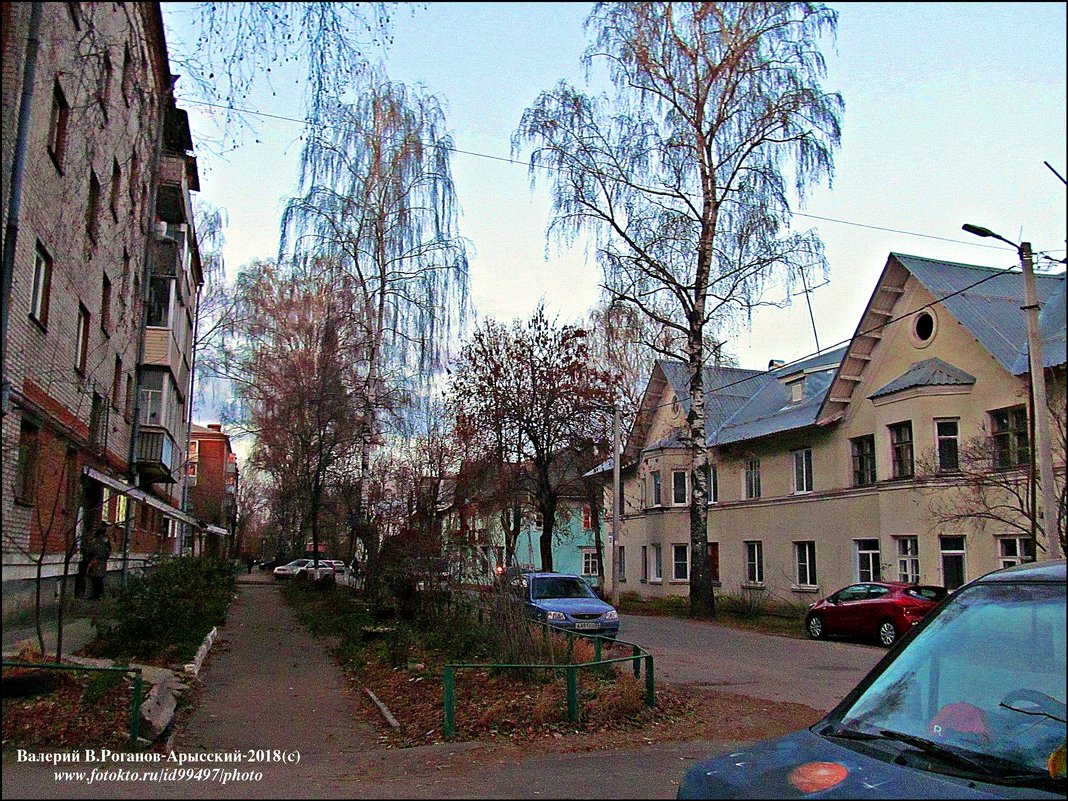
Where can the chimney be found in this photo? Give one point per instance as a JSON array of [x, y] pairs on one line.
[[215, 427], [775, 364]]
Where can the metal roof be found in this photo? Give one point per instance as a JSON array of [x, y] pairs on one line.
[[1051, 332], [990, 310], [928, 373]]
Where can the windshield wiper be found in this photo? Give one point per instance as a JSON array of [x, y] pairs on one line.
[[986, 772]]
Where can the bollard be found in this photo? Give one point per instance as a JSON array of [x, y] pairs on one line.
[[572, 693], [448, 681], [636, 652], [650, 697]]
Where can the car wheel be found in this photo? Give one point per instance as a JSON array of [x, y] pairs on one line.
[[814, 627], [887, 633]]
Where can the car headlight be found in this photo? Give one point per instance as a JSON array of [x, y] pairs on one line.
[[612, 614], [551, 615]]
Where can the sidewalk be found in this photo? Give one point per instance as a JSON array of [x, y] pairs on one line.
[[77, 632], [270, 686]]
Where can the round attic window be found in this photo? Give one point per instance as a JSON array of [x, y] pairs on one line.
[[924, 326]]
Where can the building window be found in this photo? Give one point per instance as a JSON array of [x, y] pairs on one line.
[[1011, 442], [657, 565], [713, 560], [752, 478], [81, 347], [116, 384], [754, 562], [953, 570], [129, 396], [863, 460], [867, 560], [160, 292], [947, 434], [678, 487], [42, 286], [656, 489], [797, 390], [1015, 550], [589, 562], [806, 563], [680, 562], [621, 573], [924, 326], [98, 421], [105, 304], [901, 449], [908, 559], [803, 470], [57, 126], [587, 518], [645, 564], [25, 485], [92, 209], [713, 484], [194, 450]]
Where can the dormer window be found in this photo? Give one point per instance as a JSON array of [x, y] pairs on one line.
[[797, 390]]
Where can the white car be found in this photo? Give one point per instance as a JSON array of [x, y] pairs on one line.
[[290, 569], [326, 567]]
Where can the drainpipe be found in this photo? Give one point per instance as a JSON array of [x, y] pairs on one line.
[[14, 206], [146, 273], [189, 403]]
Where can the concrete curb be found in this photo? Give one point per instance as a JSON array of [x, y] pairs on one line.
[[193, 667], [392, 721]]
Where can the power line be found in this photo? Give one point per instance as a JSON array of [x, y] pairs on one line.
[[525, 164]]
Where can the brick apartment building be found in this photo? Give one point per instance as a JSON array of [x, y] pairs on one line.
[[211, 477], [104, 274]]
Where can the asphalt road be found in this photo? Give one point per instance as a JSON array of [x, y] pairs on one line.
[[268, 684]]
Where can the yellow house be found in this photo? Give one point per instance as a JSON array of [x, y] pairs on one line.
[[829, 470]]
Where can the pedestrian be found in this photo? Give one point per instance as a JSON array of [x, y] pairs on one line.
[[249, 562], [99, 553]]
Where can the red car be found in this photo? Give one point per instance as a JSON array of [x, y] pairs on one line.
[[881, 609]]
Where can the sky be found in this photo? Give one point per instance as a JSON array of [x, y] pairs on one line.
[[950, 111]]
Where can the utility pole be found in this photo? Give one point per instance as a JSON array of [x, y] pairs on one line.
[[1046, 479]]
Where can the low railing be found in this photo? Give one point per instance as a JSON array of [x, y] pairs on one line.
[[138, 685], [570, 671]]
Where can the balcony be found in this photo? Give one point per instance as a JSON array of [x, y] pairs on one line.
[[157, 457]]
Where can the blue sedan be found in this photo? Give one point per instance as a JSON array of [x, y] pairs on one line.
[[969, 704], [567, 602]]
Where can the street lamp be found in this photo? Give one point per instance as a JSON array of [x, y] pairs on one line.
[[1047, 490]]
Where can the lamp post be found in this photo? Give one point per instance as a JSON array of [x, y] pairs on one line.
[[1047, 489]]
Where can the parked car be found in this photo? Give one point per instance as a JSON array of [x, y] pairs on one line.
[[271, 563], [325, 567], [290, 569], [969, 704], [883, 610], [564, 601]]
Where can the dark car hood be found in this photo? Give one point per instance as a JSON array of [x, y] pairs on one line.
[[766, 770], [571, 606]]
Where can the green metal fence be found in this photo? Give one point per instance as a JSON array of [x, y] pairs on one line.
[[138, 685], [570, 671]]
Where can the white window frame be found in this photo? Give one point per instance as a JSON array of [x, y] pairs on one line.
[[754, 562], [907, 549], [863, 562], [42, 285], [803, 471], [675, 562], [589, 562], [955, 438], [805, 561], [1023, 551], [751, 479], [713, 483], [658, 489], [675, 487], [81, 344], [656, 565], [962, 552]]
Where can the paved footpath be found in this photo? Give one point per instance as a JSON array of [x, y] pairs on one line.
[[269, 685]]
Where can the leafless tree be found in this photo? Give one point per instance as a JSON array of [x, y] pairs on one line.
[[682, 178]]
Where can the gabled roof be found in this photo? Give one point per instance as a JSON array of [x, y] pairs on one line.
[[928, 373], [990, 310]]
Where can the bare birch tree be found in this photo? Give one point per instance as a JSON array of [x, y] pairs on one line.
[[682, 178]]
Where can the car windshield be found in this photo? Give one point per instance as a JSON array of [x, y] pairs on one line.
[[560, 587], [984, 680]]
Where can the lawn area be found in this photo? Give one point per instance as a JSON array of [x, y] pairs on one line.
[[730, 611]]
